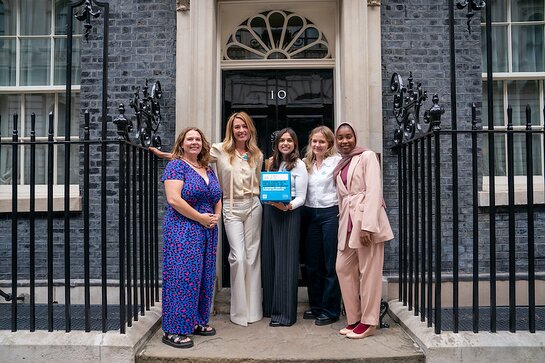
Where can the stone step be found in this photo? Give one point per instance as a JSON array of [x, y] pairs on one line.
[[222, 300], [302, 342]]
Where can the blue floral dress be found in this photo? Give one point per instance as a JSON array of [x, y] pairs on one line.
[[189, 252]]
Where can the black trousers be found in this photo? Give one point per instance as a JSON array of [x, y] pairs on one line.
[[324, 293], [280, 263]]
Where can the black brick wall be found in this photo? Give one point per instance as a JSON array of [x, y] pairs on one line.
[[142, 42]]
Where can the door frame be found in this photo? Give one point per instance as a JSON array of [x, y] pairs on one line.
[[358, 94]]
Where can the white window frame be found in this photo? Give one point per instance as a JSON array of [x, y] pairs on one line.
[[501, 182], [23, 195]]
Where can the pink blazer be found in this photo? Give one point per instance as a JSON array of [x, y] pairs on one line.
[[361, 199]]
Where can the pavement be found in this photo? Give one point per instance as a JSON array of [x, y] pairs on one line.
[[302, 342]]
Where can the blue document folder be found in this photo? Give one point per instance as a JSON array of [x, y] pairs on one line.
[[275, 186]]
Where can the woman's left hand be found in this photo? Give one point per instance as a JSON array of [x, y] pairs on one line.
[[365, 238]]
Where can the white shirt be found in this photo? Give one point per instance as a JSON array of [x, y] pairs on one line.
[[299, 181], [321, 191]]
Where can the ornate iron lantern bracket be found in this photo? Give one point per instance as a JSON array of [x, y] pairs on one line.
[[472, 5], [408, 101], [148, 114]]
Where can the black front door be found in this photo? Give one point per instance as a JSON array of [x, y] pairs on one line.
[[301, 99]]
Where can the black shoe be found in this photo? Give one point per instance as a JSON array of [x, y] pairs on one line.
[[309, 315], [276, 324], [323, 319]]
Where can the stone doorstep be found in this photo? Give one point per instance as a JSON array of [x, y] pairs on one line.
[[468, 346], [302, 342], [79, 346]]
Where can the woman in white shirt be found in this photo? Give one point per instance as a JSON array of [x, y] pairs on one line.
[[281, 231], [321, 214]]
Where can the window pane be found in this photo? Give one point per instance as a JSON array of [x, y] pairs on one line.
[[317, 49], [536, 154], [60, 61], [7, 17], [498, 104], [41, 105], [519, 154], [5, 164], [41, 164], [528, 53], [499, 49], [74, 120], [9, 105], [61, 18], [527, 10], [498, 10], [7, 62], [520, 94], [35, 17], [35, 62], [74, 164], [500, 165]]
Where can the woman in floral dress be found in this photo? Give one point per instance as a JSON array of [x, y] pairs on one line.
[[190, 237]]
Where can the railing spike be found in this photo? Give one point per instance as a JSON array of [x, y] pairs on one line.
[[509, 117], [528, 117]]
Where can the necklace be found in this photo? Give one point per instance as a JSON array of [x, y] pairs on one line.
[[243, 154], [196, 166]]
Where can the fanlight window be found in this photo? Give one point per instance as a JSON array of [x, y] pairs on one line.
[[276, 34]]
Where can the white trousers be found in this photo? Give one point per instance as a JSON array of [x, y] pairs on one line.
[[243, 228]]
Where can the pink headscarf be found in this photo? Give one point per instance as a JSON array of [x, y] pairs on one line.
[[347, 158]]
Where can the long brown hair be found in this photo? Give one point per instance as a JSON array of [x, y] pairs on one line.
[[178, 151], [277, 157], [229, 143], [331, 150]]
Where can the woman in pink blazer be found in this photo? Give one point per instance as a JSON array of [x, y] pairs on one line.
[[363, 229]]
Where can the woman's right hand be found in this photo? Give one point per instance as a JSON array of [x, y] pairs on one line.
[[209, 220]]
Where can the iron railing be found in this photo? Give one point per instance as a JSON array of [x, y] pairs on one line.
[[135, 202], [430, 199]]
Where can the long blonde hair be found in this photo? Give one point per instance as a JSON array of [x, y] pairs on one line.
[[229, 143], [178, 151], [310, 158]]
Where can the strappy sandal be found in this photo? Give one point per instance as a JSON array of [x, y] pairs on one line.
[[177, 340], [204, 330]]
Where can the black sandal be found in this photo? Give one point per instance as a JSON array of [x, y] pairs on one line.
[[204, 330], [177, 340]]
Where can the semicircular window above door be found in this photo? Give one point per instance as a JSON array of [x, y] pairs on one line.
[[276, 34]]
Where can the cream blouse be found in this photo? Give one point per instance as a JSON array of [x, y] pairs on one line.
[[238, 180]]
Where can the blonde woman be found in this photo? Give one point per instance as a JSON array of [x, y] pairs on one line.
[[238, 162], [321, 212]]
